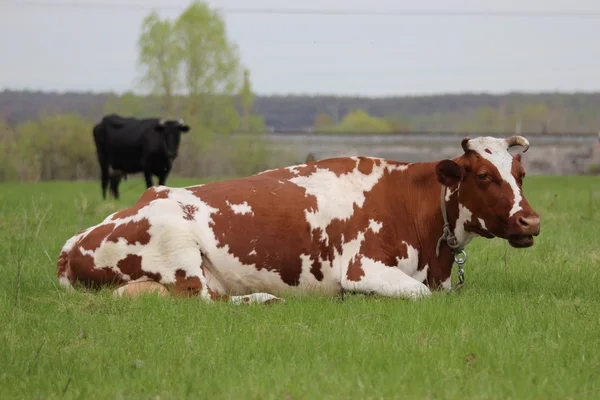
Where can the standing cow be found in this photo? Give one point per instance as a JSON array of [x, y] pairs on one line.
[[129, 145], [352, 223]]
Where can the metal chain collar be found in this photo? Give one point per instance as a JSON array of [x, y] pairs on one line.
[[460, 256]]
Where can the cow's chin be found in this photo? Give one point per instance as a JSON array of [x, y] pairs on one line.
[[520, 241]]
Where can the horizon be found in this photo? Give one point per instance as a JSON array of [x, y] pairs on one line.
[[256, 94]]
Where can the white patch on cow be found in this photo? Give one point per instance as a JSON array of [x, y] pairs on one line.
[[421, 275], [450, 192], [396, 167], [265, 171], [326, 186], [243, 208], [254, 298], [482, 223], [463, 236], [162, 188], [252, 253], [65, 283], [294, 168], [409, 264], [375, 226], [447, 283], [502, 160]]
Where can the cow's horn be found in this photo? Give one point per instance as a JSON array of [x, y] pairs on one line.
[[181, 121], [161, 122], [517, 141], [465, 144]]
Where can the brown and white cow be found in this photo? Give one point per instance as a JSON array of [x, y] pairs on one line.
[[356, 223]]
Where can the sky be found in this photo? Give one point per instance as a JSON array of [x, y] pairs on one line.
[[82, 47]]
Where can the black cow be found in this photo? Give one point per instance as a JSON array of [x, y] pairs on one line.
[[129, 145]]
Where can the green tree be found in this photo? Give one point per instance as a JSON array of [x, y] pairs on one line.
[[361, 121], [247, 98], [323, 122], [160, 57], [210, 66]]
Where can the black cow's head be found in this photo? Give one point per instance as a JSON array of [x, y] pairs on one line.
[[170, 132]]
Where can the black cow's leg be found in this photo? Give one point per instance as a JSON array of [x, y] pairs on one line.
[[105, 177], [115, 180], [148, 177], [162, 179]]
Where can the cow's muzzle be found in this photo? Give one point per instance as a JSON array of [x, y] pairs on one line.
[[525, 228]]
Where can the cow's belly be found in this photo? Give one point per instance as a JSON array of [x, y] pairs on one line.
[[225, 274]]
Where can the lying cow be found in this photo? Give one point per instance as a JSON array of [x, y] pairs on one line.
[[355, 223]]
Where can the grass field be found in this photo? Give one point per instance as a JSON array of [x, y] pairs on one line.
[[525, 326]]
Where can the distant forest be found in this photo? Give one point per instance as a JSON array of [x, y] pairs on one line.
[[545, 112]]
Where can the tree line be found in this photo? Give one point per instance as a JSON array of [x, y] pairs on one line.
[[553, 112]]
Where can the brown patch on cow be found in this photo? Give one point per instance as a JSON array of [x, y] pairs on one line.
[[133, 232], [339, 166], [355, 271], [95, 237], [146, 198], [83, 269], [186, 286], [315, 269], [365, 165], [132, 266], [188, 211], [62, 264], [246, 299]]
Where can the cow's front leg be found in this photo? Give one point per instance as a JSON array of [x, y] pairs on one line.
[[162, 179], [365, 275], [148, 177]]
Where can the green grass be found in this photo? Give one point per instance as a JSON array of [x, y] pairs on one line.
[[525, 326]]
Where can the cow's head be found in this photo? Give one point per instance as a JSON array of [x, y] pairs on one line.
[[170, 131], [489, 181]]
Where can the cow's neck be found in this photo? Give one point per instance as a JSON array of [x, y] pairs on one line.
[[429, 224]]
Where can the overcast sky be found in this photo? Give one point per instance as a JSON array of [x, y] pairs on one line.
[[94, 48]]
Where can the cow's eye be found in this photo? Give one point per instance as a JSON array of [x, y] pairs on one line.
[[482, 176]]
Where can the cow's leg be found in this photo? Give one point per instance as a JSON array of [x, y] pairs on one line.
[[162, 179], [148, 177], [369, 276], [115, 180], [195, 284], [188, 278], [138, 288], [104, 176]]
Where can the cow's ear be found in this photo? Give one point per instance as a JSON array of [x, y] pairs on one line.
[[449, 173], [184, 128]]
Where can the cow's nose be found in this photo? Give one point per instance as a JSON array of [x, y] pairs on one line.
[[529, 225]]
